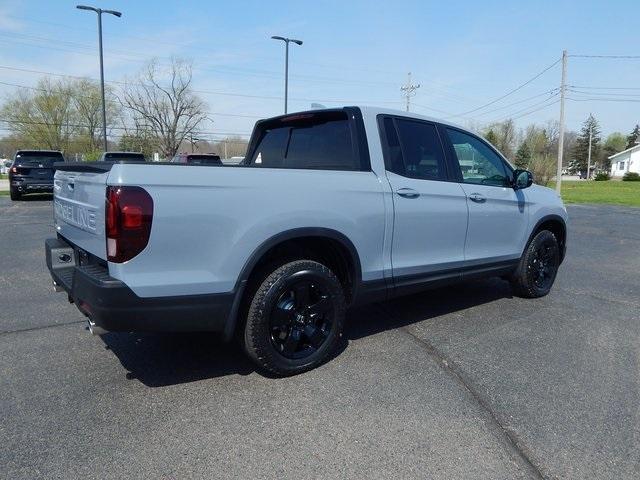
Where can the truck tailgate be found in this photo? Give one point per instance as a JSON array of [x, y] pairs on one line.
[[79, 208]]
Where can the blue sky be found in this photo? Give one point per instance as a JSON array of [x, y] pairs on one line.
[[463, 53]]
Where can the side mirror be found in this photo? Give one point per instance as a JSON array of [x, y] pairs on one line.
[[522, 179]]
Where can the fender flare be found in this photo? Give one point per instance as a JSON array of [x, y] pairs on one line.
[[553, 218], [276, 239]]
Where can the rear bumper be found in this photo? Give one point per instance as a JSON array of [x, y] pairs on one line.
[[112, 305], [31, 185]]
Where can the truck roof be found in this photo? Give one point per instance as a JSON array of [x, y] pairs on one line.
[[372, 111]]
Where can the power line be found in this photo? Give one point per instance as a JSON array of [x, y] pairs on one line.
[[603, 88], [510, 92], [608, 94], [125, 128], [548, 92], [515, 115], [635, 57], [627, 100], [210, 92]]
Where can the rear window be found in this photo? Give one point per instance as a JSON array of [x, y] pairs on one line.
[[119, 156], [204, 159], [308, 141], [46, 159]]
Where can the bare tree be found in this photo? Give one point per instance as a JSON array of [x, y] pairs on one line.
[[502, 136], [87, 102], [163, 101]]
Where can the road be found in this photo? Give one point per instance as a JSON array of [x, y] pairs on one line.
[[462, 382]]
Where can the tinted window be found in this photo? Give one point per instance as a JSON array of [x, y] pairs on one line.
[[479, 164], [318, 141], [204, 159], [415, 150], [118, 156], [46, 159]]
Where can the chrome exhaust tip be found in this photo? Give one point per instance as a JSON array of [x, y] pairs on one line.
[[95, 329], [56, 287]]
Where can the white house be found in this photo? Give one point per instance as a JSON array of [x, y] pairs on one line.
[[626, 161]]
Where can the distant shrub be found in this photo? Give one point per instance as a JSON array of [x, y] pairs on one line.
[[543, 169], [602, 177], [631, 177]]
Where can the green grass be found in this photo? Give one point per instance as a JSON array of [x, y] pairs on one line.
[[611, 192], [4, 192], [3, 176]]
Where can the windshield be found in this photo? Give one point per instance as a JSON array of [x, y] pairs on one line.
[[46, 159]]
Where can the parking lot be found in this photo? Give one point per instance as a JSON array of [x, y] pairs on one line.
[[462, 382]]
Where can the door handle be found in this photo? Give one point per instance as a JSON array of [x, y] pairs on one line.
[[408, 193], [476, 197]]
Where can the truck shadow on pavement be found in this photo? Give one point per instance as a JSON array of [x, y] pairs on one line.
[[37, 197], [159, 360]]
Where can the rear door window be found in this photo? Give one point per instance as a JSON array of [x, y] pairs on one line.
[[309, 141], [414, 149]]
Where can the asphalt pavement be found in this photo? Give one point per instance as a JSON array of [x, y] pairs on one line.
[[461, 382]]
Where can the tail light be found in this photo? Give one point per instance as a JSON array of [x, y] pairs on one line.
[[128, 216], [14, 169]]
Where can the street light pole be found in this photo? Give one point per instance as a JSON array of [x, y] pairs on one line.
[[589, 154], [286, 65], [100, 11]]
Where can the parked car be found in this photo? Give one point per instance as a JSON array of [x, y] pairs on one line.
[[329, 209], [197, 159], [121, 157], [32, 172]]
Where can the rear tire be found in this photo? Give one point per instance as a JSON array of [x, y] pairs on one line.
[[538, 266], [295, 318], [14, 194]]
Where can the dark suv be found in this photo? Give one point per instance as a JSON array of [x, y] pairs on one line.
[[32, 172], [197, 159]]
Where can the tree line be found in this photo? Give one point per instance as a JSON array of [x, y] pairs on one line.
[[156, 111], [536, 147]]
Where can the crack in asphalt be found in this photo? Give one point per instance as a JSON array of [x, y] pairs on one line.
[[41, 327], [456, 372], [600, 297]]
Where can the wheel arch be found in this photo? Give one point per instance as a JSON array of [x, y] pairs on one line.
[[556, 225], [342, 256]]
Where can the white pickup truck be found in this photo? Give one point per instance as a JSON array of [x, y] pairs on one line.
[[328, 209]]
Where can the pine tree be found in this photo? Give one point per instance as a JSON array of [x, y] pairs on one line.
[[581, 148], [634, 137], [491, 137], [523, 156]]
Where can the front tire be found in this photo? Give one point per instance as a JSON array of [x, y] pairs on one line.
[[14, 194], [295, 318], [538, 266]]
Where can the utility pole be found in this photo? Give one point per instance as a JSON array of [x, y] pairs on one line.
[[563, 85], [589, 154], [409, 89]]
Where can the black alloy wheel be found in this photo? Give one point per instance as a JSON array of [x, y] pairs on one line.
[[538, 266], [295, 318], [301, 319]]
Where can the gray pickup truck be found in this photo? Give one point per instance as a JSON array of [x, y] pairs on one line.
[[328, 209]]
